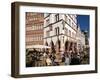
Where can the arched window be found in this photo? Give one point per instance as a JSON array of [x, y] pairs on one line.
[[57, 31], [57, 17], [58, 45]]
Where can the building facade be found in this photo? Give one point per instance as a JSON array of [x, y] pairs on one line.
[[34, 28], [80, 40], [60, 32]]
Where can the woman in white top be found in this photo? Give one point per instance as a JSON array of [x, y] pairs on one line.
[[67, 60]]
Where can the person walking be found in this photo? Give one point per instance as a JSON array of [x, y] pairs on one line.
[[48, 61], [67, 59]]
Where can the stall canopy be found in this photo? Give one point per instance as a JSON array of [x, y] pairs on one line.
[[37, 46]]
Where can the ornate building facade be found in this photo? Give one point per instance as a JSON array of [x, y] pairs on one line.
[[80, 40], [34, 28], [60, 32]]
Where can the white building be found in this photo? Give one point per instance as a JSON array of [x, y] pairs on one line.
[[80, 40], [60, 31]]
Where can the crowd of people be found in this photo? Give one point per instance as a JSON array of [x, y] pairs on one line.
[[36, 58]]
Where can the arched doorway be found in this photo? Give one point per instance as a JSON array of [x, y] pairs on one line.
[[66, 46], [71, 46], [52, 47], [58, 45], [46, 50]]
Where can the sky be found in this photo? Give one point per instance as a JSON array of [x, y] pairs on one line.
[[83, 21]]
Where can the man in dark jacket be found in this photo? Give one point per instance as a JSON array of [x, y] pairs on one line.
[[75, 60]]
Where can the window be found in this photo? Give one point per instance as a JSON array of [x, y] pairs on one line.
[[50, 27], [65, 18], [47, 22], [41, 38], [35, 26], [69, 33], [75, 35], [57, 17], [69, 22], [35, 38], [72, 34], [40, 26], [57, 31]]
